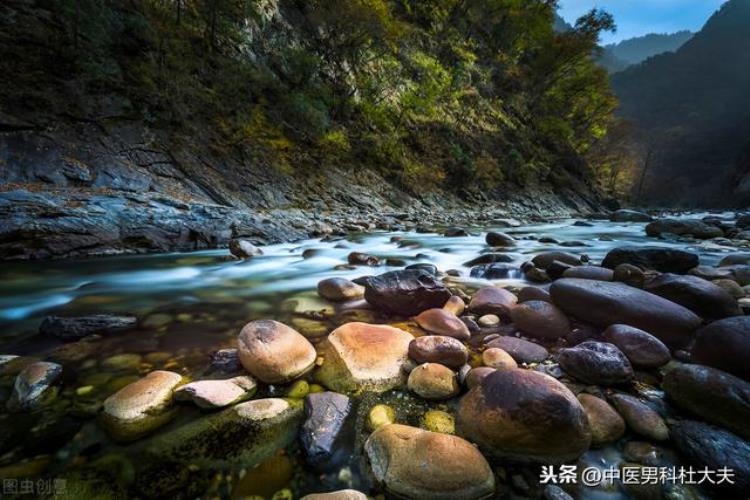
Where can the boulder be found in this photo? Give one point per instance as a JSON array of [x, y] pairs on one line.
[[443, 322], [625, 215], [699, 295], [683, 227], [141, 407], [521, 350], [407, 292], [327, 434], [362, 356], [734, 259], [662, 259], [725, 344], [540, 319], [533, 293], [455, 305], [494, 271], [524, 416], [32, 384], [597, 363], [642, 349], [715, 396], [490, 258], [605, 423], [433, 381], [602, 304], [340, 289], [362, 259], [589, 273], [243, 435], [439, 349], [492, 300], [640, 418], [498, 359], [211, 394], [476, 375], [415, 463], [498, 239], [273, 352], [78, 327], [545, 259], [243, 249]]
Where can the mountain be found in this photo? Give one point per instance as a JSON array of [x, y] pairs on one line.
[[626, 53], [692, 110]]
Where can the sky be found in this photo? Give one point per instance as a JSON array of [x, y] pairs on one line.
[[640, 17]]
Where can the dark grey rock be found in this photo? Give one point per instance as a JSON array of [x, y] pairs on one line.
[[78, 327], [596, 363], [725, 344], [407, 292], [327, 432], [700, 296], [665, 260]]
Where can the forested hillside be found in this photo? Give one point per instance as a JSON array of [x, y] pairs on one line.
[[451, 94], [692, 109], [619, 56]]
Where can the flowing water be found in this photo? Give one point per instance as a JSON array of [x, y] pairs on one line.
[[191, 304]]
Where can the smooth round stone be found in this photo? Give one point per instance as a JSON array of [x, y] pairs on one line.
[[540, 319], [337, 495], [439, 349], [243, 249], [662, 259], [140, 407], [521, 350], [379, 416], [642, 349], [526, 417], [273, 352], [533, 293], [122, 362], [695, 228], [498, 239], [715, 396], [605, 423], [407, 292], [492, 300], [602, 304], [476, 375], [455, 305], [209, 394], [596, 363], [415, 463], [498, 359], [488, 321], [640, 418], [439, 421], [545, 259], [731, 287], [725, 344], [590, 273], [433, 381], [360, 356], [362, 259], [699, 295], [630, 275], [642, 452], [32, 383], [442, 322], [340, 289]]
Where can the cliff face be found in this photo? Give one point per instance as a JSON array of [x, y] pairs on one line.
[[98, 165]]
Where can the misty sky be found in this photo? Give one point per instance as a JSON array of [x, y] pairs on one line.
[[640, 17]]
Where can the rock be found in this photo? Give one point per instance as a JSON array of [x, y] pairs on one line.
[[521, 350], [488, 321], [642, 349], [596, 363], [363, 356], [362, 259], [700, 296], [210, 394], [433, 381], [710, 447], [455, 305], [226, 361], [327, 427], [379, 416], [715, 396], [545, 259], [640, 418], [455, 232], [683, 227], [141, 407], [78, 327], [407, 292], [243, 435], [438, 349], [734, 259], [533, 293], [414, 463], [32, 384], [490, 258], [497, 239], [534, 274], [731, 287], [243, 249], [524, 416], [603, 304], [630, 275], [556, 269], [725, 344], [494, 271], [337, 495], [442, 322], [438, 421], [552, 492], [624, 215], [589, 273], [492, 300], [540, 319], [476, 375], [273, 352], [605, 423], [662, 259], [498, 359], [340, 289]]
